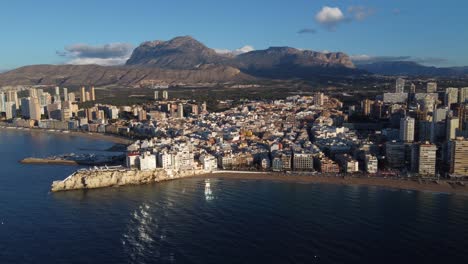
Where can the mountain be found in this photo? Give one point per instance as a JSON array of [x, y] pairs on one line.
[[275, 62], [179, 53], [75, 75], [286, 62], [412, 68], [188, 61]]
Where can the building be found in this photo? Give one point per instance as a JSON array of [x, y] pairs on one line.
[[303, 161], [459, 158], [407, 125], [180, 110], [165, 94], [400, 85], [82, 94], [451, 96], [156, 95], [2, 102], [423, 159], [395, 98], [57, 91], [319, 99], [452, 125], [366, 107], [412, 88], [347, 163], [25, 113], [10, 110], [395, 154], [93, 94], [326, 165], [35, 111], [65, 95], [431, 87], [463, 98], [71, 97], [371, 164]]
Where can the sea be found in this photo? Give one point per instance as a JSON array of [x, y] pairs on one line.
[[214, 220]]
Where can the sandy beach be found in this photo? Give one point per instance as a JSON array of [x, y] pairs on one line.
[[99, 136], [443, 186]]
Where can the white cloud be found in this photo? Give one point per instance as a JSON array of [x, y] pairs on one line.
[[330, 17], [107, 54], [244, 49], [366, 59]]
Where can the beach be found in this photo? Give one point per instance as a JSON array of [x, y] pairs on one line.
[[443, 186]]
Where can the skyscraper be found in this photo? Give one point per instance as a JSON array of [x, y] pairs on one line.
[[452, 126], [318, 99], [400, 85], [82, 94], [423, 159], [451, 96], [459, 157], [412, 88], [431, 87], [407, 129], [71, 97], [463, 95], [2, 102], [93, 94], [57, 91], [156, 95], [180, 110], [34, 109], [10, 110], [65, 94], [165, 95]]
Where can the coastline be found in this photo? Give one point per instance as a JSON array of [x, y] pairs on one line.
[[98, 136], [441, 187]]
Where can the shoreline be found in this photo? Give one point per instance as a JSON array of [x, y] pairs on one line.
[[441, 187], [40, 161], [97, 136]]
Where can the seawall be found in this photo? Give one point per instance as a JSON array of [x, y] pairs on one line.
[[91, 179]]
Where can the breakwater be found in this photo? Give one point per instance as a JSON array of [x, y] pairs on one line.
[[117, 176]]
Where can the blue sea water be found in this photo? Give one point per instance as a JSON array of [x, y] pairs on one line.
[[214, 220]]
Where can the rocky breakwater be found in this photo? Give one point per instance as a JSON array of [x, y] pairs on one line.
[[99, 178]]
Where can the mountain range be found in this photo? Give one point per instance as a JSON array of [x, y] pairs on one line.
[[410, 68], [184, 60]]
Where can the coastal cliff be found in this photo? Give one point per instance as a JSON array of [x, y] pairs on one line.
[[91, 179]]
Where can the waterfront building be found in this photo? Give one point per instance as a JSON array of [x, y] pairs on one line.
[[2, 102], [451, 96], [12, 96], [423, 159], [347, 163], [25, 113], [459, 157], [400, 85], [395, 154], [326, 165], [209, 162], [303, 161], [371, 164], [10, 110], [35, 110], [407, 129], [431, 87]]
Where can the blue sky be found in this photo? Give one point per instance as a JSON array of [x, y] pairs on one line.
[[46, 32]]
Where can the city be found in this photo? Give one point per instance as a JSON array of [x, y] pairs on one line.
[[418, 133]]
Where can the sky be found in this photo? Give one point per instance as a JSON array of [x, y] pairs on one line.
[[431, 32]]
